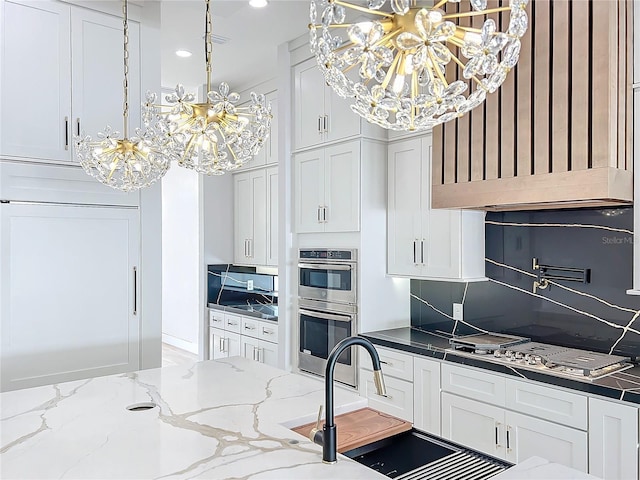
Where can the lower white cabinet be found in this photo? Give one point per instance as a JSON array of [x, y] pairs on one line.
[[426, 395], [510, 435], [613, 440], [259, 341], [223, 344]]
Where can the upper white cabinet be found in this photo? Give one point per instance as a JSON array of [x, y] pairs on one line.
[[268, 154], [47, 47], [250, 217], [425, 242], [256, 217], [320, 115], [327, 189]]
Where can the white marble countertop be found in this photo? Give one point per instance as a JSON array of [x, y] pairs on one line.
[[536, 468], [215, 419], [224, 419]]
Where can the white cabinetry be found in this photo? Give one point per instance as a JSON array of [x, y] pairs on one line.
[[259, 340], [224, 335], [495, 428], [613, 440], [426, 395], [320, 115], [425, 242], [256, 217], [397, 369], [327, 189], [231, 335], [47, 47], [69, 285]]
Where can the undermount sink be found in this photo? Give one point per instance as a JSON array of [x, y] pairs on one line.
[[416, 455]]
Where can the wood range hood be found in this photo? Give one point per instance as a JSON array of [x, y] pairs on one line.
[[559, 132]]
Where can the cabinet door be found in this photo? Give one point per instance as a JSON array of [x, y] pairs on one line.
[[249, 348], [271, 148], [268, 353], [426, 395], [404, 221], [473, 424], [250, 222], [308, 104], [341, 122], [613, 439], [217, 347], [528, 436], [232, 344], [399, 399], [97, 46], [258, 238], [272, 216], [309, 191], [68, 293], [342, 188], [36, 81]]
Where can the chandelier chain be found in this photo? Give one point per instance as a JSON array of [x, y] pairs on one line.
[[208, 43], [125, 83]]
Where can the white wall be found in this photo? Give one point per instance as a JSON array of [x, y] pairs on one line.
[[181, 285]]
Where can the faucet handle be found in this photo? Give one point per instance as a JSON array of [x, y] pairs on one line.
[[315, 435]]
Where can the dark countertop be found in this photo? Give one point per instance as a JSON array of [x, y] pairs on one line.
[[623, 385], [261, 311]]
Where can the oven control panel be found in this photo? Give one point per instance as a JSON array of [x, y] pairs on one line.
[[324, 254]]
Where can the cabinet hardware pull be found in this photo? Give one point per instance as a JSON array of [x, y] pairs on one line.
[[249, 327], [221, 344], [251, 248], [266, 332], [508, 440], [78, 126], [324, 214], [415, 246], [319, 218], [226, 345], [253, 356], [325, 123], [66, 133], [319, 124], [497, 438], [135, 290], [422, 252], [387, 363]]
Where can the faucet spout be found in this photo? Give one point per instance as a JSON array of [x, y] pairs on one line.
[[328, 436]]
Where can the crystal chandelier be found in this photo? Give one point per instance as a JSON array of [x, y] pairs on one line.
[[212, 137], [125, 164], [400, 65]]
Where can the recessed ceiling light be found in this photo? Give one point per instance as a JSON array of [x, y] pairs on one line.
[[258, 3], [183, 53]]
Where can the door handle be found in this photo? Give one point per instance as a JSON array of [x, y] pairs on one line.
[[135, 290], [497, 435], [415, 254], [221, 344], [319, 216], [78, 126], [319, 124], [325, 123], [324, 214], [422, 252], [225, 342], [508, 439], [66, 133], [251, 248]]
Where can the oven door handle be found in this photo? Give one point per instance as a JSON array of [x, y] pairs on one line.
[[326, 316], [324, 266]]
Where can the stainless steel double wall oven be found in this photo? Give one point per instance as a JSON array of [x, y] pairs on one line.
[[327, 309]]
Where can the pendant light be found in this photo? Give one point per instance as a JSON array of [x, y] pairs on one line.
[[122, 163], [410, 66], [211, 137]]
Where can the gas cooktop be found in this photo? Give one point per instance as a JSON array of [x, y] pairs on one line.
[[521, 352]]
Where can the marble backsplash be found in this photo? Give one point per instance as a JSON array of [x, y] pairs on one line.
[[232, 285], [597, 315]]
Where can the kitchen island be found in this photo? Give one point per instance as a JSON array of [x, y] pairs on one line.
[[213, 419], [225, 419]]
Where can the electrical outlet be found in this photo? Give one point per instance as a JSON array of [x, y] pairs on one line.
[[249, 284], [457, 311]]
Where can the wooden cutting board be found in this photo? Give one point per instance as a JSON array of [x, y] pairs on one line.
[[361, 427]]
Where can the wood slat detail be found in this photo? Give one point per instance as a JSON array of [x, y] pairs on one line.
[[560, 87], [523, 111], [628, 158], [477, 127], [463, 124], [437, 157], [604, 75], [580, 85], [541, 91], [492, 119]]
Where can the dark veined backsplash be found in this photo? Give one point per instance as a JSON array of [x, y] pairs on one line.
[[231, 285], [597, 316]]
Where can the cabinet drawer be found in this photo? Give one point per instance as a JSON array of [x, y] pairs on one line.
[[472, 383], [547, 403], [251, 327], [268, 331], [394, 364], [399, 399], [232, 323], [216, 319]]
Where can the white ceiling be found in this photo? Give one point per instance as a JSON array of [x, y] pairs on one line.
[[250, 55]]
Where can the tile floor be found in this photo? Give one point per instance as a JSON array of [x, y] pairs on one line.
[[175, 356]]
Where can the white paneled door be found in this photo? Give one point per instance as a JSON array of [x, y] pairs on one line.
[[68, 292]]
